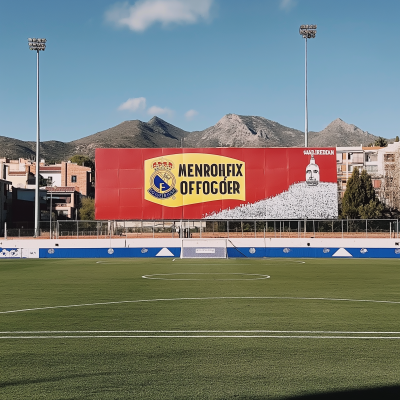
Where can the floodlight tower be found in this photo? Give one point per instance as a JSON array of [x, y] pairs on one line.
[[38, 45], [308, 32]]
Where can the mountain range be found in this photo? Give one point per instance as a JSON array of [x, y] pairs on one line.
[[230, 131]]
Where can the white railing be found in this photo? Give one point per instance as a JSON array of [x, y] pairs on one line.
[[346, 228]]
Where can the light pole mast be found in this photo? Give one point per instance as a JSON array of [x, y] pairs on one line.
[[38, 45], [308, 32]]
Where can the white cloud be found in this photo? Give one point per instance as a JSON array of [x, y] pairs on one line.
[[144, 13], [191, 114], [287, 4], [155, 110], [134, 104], [139, 104]]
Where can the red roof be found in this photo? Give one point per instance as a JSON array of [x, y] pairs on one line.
[[50, 168], [62, 189], [18, 173]]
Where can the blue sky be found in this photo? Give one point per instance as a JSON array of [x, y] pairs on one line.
[[192, 61]]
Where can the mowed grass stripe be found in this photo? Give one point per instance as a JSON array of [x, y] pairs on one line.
[[199, 331], [199, 336]]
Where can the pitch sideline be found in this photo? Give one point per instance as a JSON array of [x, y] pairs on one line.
[[204, 298]]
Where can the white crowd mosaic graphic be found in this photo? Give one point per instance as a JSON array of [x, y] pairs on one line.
[[300, 201], [12, 253]]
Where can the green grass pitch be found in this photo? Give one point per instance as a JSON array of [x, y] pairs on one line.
[[197, 329]]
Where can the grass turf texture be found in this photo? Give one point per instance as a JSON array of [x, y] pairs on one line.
[[196, 367]]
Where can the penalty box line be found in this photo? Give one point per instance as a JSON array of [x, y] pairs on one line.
[[200, 336], [254, 331]]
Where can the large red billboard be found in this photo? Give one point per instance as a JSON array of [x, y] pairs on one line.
[[216, 183]]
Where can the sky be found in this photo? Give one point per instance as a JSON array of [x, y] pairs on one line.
[[190, 62]]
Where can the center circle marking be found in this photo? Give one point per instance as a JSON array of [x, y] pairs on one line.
[[207, 276]]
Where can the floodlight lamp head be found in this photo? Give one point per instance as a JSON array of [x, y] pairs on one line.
[[37, 44], [308, 31]]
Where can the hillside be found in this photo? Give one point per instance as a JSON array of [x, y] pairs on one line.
[[230, 131]]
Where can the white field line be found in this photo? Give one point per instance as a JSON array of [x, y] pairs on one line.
[[207, 331], [253, 276], [202, 298], [200, 262], [199, 336]]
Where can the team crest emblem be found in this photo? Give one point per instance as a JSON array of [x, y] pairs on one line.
[[162, 180]]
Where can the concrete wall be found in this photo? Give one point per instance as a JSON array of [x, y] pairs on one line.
[[55, 176], [236, 248]]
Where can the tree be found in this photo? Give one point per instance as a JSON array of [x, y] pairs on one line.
[[370, 206], [359, 200], [397, 139], [86, 210], [381, 142], [373, 209], [82, 160], [350, 202], [367, 188]]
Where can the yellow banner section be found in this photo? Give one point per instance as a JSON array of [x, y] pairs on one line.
[[181, 179]]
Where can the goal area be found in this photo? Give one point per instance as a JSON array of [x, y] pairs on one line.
[[204, 248]]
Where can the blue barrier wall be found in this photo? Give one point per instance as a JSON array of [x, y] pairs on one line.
[[242, 252], [310, 252], [129, 252], [236, 248]]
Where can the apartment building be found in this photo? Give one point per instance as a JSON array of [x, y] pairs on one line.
[[382, 163], [5, 187], [66, 183], [63, 201], [67, 174], [22, 207], [22, 173], [18, 172], [348, 158], [389, 170], [63, 183]]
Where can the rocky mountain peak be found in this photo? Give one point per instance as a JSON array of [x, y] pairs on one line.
[[158, 124], [156, 121], [230, 121], [229, 118], [231, 131], [340, 133], [340, 124]]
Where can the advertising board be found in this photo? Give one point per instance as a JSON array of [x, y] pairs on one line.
[[216, 183]]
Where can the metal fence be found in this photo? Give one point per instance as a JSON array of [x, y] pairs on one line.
[[346, 228]]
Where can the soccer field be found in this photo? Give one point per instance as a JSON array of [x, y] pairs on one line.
[[197, 329]]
